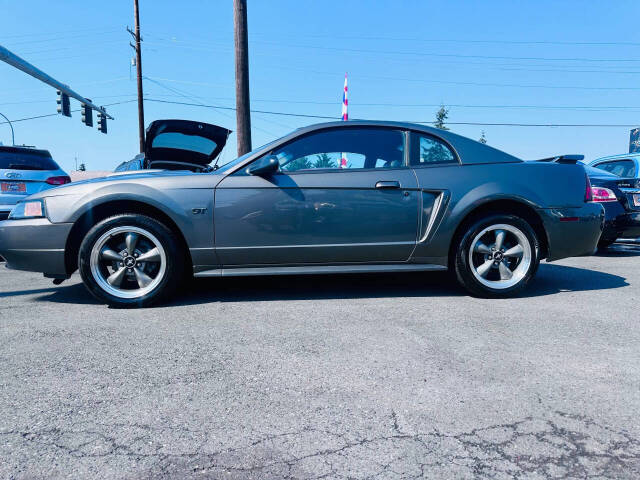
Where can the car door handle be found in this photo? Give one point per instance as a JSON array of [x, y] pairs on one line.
[[388, 184]]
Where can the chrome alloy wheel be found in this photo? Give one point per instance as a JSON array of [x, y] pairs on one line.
[[128, 262], [500, 256]]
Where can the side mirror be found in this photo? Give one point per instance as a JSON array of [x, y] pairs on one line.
[[264, 166]]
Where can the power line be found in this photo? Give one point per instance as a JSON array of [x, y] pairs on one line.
[[496, 66], [442, 40], [466, 41], [448, 82], [424, 54], [395, 104], [455, 55], [324, 117], [94, 30], [48, 100], [64, 37], [197, 99], [627, 125], [252, 111], [57, 114]]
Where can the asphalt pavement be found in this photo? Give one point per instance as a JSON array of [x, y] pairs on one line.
[[368, 376]]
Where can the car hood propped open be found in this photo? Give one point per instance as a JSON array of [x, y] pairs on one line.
[[183, 142]]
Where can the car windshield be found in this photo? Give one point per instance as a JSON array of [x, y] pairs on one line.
[[227, 166], [180, 141], [36, 160]]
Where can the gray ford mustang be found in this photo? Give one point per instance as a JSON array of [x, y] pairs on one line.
[[343, 197]]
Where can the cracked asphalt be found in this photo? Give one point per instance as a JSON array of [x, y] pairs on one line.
[[368, 376]]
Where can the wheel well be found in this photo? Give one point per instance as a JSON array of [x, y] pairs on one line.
[[505, 207], [100, 212]]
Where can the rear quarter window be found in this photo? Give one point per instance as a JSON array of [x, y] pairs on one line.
[[26, 161], [621, 168]]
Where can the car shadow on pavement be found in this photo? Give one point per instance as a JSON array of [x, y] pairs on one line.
[[33, 291], [551, 279], [75, 293], [620, 250]]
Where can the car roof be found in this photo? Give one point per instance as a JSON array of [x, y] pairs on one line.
[[468, 150], [620, 156], [27, 150]]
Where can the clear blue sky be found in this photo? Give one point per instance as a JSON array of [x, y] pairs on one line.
[[403, 59]]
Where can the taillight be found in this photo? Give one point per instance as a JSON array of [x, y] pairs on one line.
[[58, 180], [588, 196], [601, 194]]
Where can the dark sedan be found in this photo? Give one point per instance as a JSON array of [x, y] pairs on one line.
[[621, 200], [343, 197]]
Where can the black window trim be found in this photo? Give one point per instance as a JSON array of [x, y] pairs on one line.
[[414, 143]]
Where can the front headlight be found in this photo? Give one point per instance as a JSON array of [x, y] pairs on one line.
[[29, 209]]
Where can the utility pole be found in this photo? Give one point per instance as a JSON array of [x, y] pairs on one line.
[[138, 39], [243, 114]]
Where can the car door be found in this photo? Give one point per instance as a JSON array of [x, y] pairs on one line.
[[340, 195]]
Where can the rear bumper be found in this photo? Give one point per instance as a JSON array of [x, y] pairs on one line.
[[572, 232], [624, 225], [35, 245]]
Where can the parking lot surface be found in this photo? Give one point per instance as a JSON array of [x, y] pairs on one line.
[[377, 376]]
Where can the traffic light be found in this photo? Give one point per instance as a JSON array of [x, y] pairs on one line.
[[63, 104], [102, 122], [87, 114]]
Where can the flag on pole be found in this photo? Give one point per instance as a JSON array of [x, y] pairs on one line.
[[345, 117], [345, 100]]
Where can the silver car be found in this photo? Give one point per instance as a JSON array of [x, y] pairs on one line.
[[340, 197], [25, 171]]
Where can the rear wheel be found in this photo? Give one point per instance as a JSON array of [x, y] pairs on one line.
[[497, 256], [131, 260]]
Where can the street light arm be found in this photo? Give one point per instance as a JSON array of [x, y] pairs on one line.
[[21, 64], [13, 137]]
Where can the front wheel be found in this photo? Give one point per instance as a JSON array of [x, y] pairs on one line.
[[131, 260], [497, 256]]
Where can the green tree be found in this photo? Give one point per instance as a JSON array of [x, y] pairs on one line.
[[441, 117], [434, 152], [482, 139], [301, 163], [82, 167], [323, 160]]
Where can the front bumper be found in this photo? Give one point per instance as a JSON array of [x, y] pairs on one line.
[[35, 245], [572, 232]]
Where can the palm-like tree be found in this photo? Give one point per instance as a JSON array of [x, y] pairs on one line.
[[323, 160]]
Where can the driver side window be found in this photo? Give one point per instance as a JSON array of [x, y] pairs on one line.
[[343, 149]]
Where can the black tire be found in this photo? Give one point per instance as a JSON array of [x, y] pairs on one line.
[[463, 268], [174, 261]]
